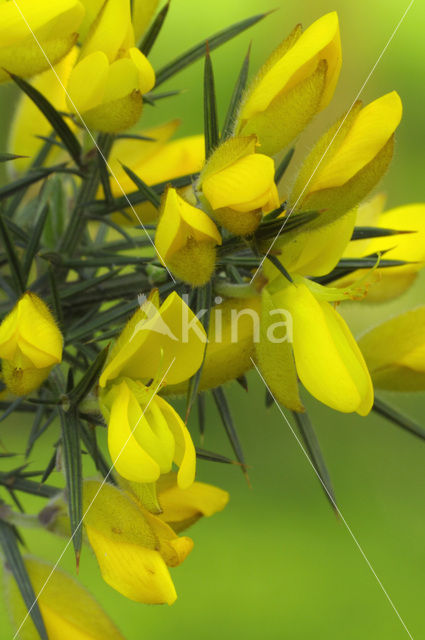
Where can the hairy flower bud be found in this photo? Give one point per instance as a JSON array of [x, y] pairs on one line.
[[239, 185], [349, 160], [186, 240], [295, 83], [30, 345]]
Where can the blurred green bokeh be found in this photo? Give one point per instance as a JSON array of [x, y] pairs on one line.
[[277, 563]]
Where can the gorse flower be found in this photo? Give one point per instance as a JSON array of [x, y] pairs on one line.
[[55, 25], [323, 353], [186, 240], [296, 82], [239, 185], [106, 85], [173, 267], [359, 149], [145, 434], [30, 345], [133, 547]]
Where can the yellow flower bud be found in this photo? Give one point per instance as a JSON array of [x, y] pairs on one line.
[[186, 240], [296, 82], [67, 608], [29, 122], [146, 435], [55, 25], [327, 358], [395, 352], [30, 345], [167, 338], [361, 150], [133, 547], [393, 281], [239, 185], [154, 161], [230, 347]]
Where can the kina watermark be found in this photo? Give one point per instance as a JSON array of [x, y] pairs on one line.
[[230, 325]]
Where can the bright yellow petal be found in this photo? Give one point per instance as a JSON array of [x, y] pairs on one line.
[[122, 80], [31, 330], [242, 186], [136, 572], [371, 130], [87, 82], [128, 457], [315, 252], [109, 30], [321, 41], [185, 455], [328, 361], [144, 68], [183, 504]]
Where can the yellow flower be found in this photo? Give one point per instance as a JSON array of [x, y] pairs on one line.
[[395, 352], [30, 345], [296, 82], [158, 339], [55, 25], [239, 185], [29, 122], [106, 85], [186, 240], [230, 348], [154, 161], [410, 247], [146, 435], [320, 345], [361, 150], [314, 251], [133, 547], [67, 608], [179, 508]]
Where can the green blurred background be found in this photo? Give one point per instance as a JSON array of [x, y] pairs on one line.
[[277, 563]]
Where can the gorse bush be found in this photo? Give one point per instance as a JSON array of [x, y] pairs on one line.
[[136, 267]]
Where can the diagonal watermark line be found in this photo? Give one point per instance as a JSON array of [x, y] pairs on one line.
[[356, 542], [372, 71], [92, 501], [93, 139]]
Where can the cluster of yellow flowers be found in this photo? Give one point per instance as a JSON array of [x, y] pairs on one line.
[[100, 76]]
